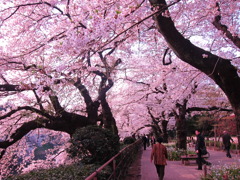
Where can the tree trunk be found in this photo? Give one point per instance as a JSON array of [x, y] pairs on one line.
[[164, 130], [181, 133], [156, 131], [155, 124], [181, 125], [107, 117]]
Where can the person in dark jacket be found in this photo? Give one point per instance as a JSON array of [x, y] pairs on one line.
[[144, 140], [227, 143], [200, 144]]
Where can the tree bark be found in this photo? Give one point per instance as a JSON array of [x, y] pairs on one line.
[[155, 124], [108, 119], [164, 130], [181, 125], [91, 106]]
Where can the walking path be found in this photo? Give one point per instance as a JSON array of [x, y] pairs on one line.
[[175, 170]]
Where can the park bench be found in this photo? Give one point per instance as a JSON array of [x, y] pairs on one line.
[[186, 158]]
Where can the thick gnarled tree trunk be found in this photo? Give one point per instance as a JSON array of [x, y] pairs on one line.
[[107, 117], [181, 125], [164, 130]]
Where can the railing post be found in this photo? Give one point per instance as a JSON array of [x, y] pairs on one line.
[[205, 170], [114, 168]]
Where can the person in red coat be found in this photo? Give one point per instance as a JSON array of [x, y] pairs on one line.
[[159, 155]]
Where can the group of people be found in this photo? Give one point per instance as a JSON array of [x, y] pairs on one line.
[[159, 152], [147, 141]]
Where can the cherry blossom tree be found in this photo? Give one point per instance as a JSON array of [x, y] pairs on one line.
[[217, 67], [185, 49], [60, 58], [44, 85]]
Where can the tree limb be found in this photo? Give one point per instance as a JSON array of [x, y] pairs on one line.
[[42, 113], [56, 105], [219, 69], [217, 23], [67, 124]]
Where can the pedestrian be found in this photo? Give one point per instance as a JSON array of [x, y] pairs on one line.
[[226, 138], [153, 141], [159, 155], [200, 144], [144, 141], [148, 141]]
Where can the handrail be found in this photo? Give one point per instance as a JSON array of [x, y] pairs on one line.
[[93, 176]]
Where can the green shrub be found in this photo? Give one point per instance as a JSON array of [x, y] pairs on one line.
[[75, 171], [93, 144], [128, 140]]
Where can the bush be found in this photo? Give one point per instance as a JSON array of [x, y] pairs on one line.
[[93, 144], [129, 140], [75, 171]]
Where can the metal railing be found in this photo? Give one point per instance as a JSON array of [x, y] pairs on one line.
[[120, 162]]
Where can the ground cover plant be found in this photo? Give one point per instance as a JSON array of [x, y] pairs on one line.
[[74, 171], [223, 172], [175, 154]]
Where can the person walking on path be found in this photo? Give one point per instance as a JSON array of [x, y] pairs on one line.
[[159, 155], [200, 144], [226, 138], [153, 141], [144, 140]]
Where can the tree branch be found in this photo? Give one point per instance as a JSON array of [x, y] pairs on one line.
[[42, 113], [69, 123], [139, 22], [38, 100], [92, 107], [217, 23], [84, 92], [56, 105], [219, 69], [10, 87]]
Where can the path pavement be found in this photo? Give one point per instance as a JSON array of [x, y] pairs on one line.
[[175, 170]]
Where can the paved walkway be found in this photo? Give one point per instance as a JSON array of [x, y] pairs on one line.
[[175, 170]]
